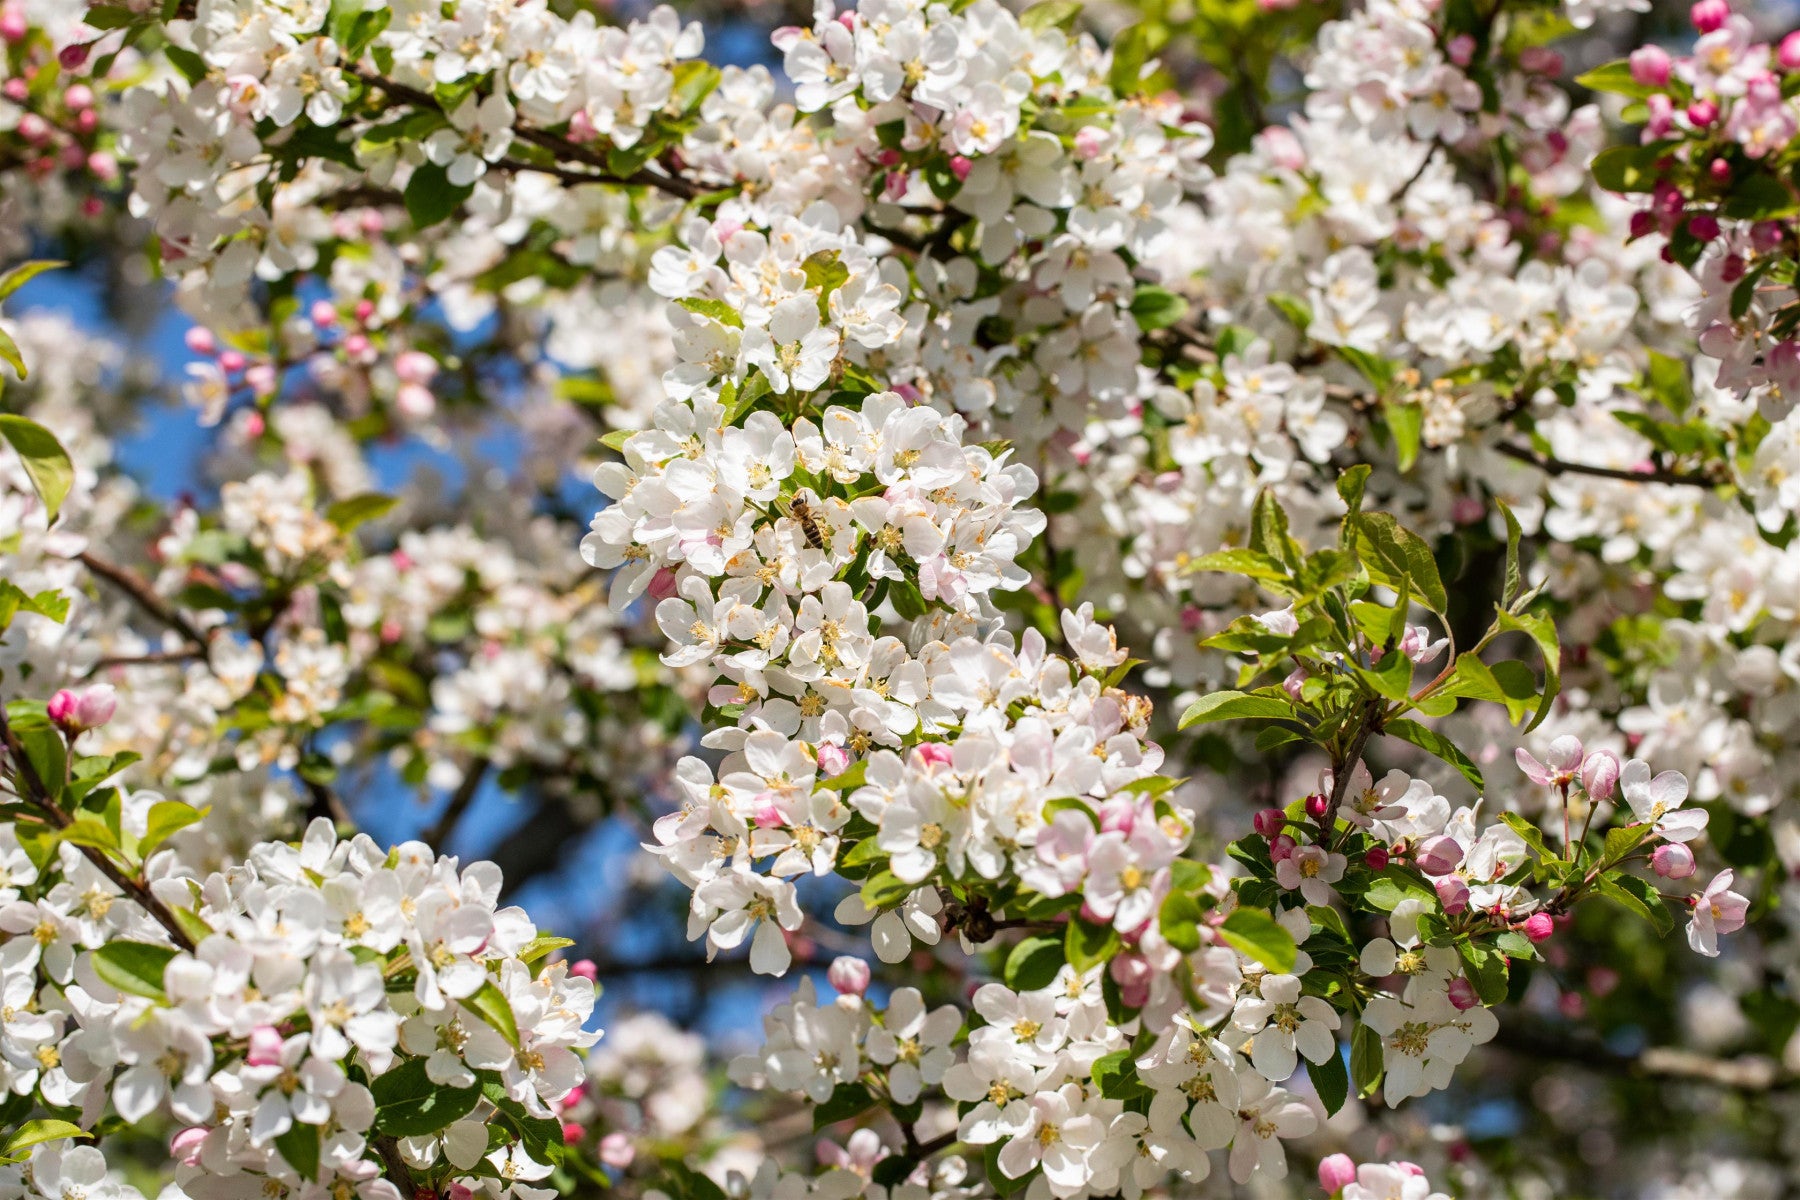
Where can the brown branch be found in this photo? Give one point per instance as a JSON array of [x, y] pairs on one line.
[[1341, 769], [1557, 466], [153, 658], [139, 589], [558, 145], [1750, 1073], [40, 797], [445, 825]]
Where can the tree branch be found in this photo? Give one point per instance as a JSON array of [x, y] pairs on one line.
[[139, 589], [1557, 466], [445, 825]]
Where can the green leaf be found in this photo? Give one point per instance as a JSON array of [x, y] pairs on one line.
[[1534, 837], [25, 272], [1050, 14], [717, 310], [1515, 579], [1034, 962], [431, 197], [1758, 197], [1237, 706], [1542, 631], [1407, 423], [1179, 921], [1435, 743], [1350, 486], [1255, 934], [46, 462], [1615, 77], [1638, 896], [1330, 1080], [1131, 51], [1087, 946], [490, 1004], [847, 1100], [135, 968], [408, 1104], [1157, 308], [543, 946], [1486, 970], [1116, 1074], [300, 1146], [1365, 1059], [884, 890], [36, 1133], [1251, 563], [191, 65], [1622, 841], [1628, 168], [695, 80], [352, 511], [1391, 553], [1296, 310], [167, 817]]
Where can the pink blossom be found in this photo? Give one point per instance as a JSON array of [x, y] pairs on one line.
[[850, 976], [1336, 1172], [1439, 855], [1650, 66], [1673, 861]]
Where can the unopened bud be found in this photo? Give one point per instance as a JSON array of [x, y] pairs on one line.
[[1269, 822], [1599, 774], [1462, 994], [89, 708], [1439, 855], [1453, 894], [850, 976], [1538, 927], [1336, 1173], [1672, 861]]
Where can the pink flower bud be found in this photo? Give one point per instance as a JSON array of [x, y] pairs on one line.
[[1409, 1168], [1462, 49], [931, 755], [662, 584], [1269, 822], [1541, 60], [231, 361], [1538, 927], [1789, 53], [185, 1146], [364, 310], [34, 129], [1377, 858], [16, 89], [1766, 235], [850, 976], [13, 26], [265, 1047], [1704, 226], [572, 1132], [261, 378], [1294, 683], [1708, 15], [1439, 855], [1281, 847], [1672, 861], [323, 313], [1599, 774], [1336, 1173], [1650, 66], [616, 1150], [78, 97], [73, 57], [581, 127], [356, 345], [1720, 170], [458, 1191], [255, 426], [1089, 141], [584, 968], [200, 340], [1462, 994], [1132, 973], [1731, 268], [960, 167], [1316, 804], [1453, 894], [88, 708], [1702, 112], [833, 760]]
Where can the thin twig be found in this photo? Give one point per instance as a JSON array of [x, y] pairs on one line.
[[440, 832], [1557, 466], [139, 589], [40, 797]]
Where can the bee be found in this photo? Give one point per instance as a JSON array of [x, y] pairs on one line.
[[813, 525]]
